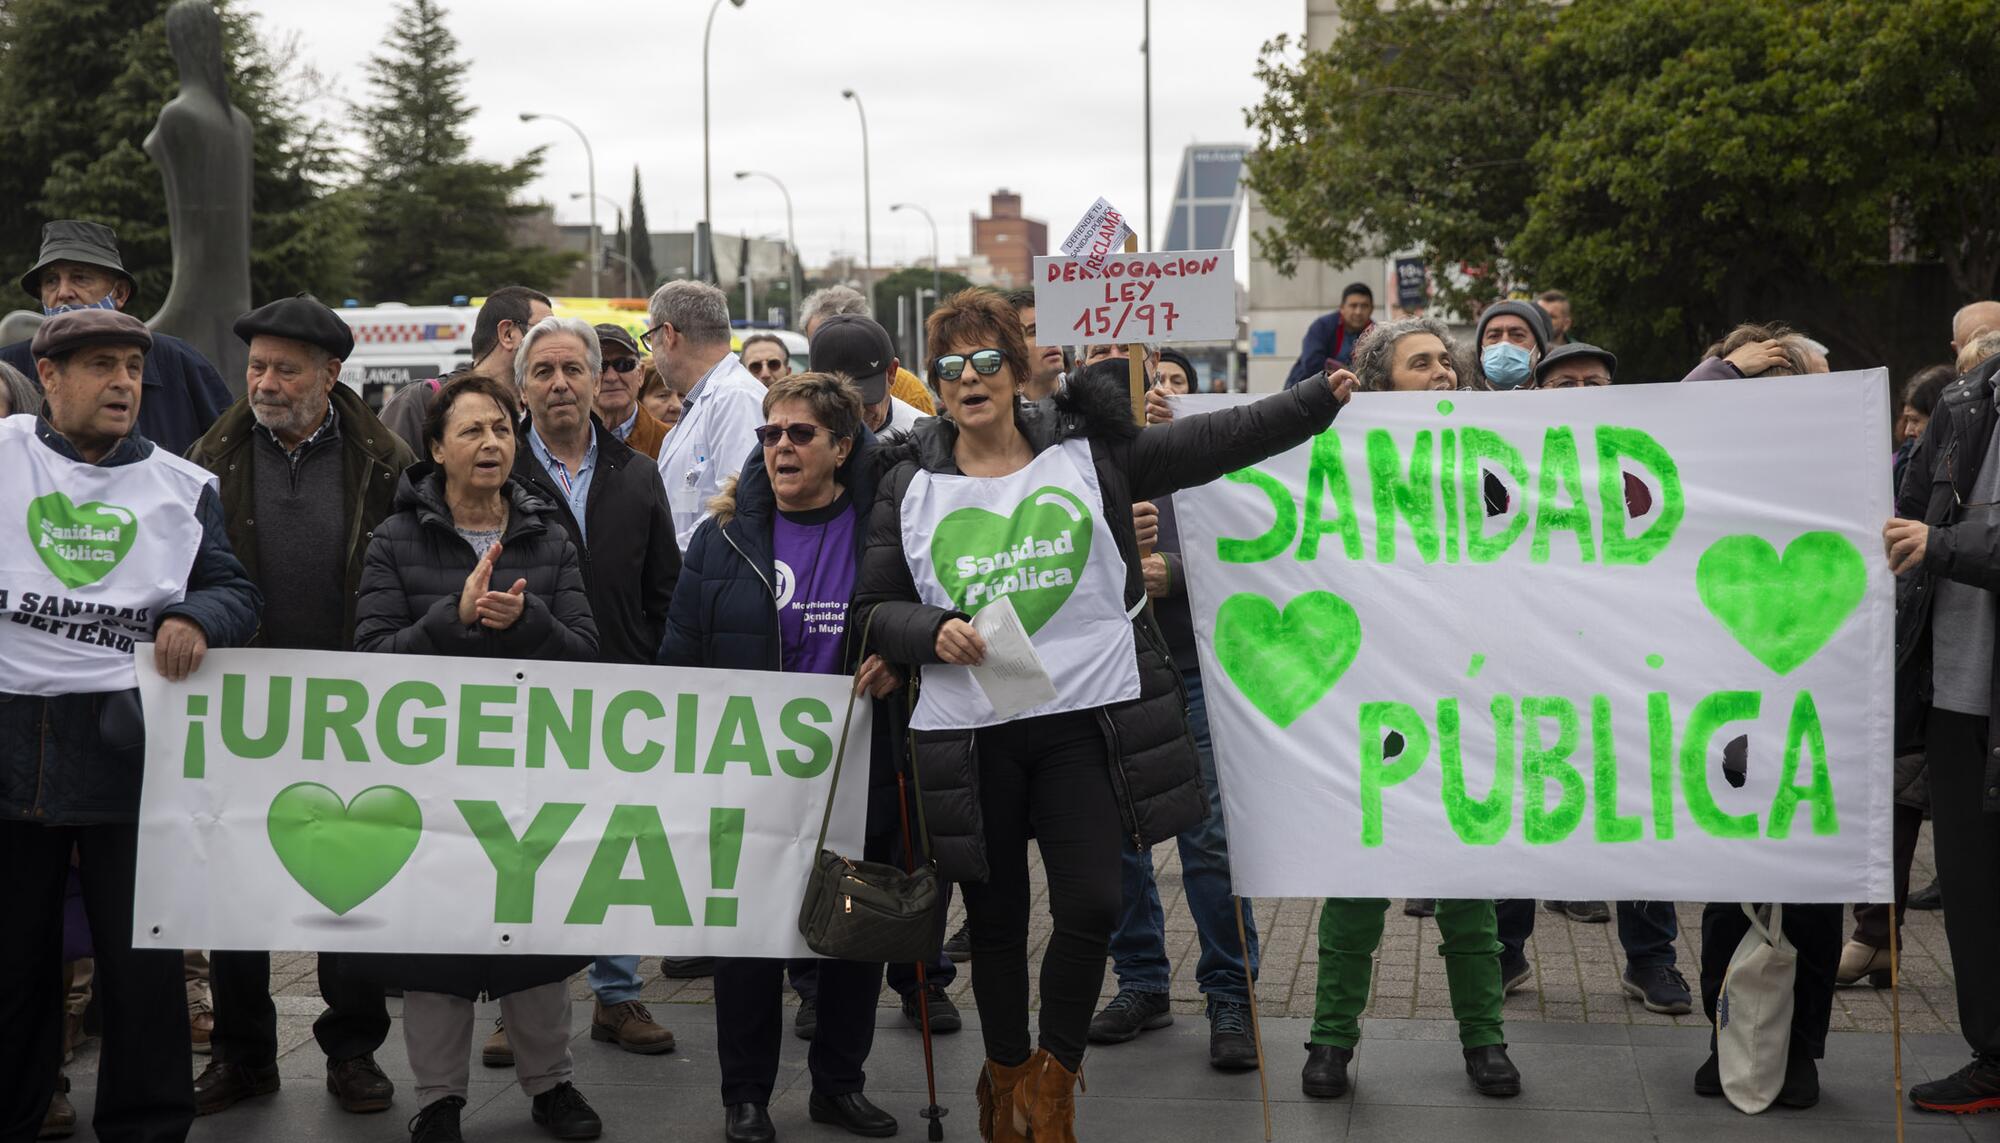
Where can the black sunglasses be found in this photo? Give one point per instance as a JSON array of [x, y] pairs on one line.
[[621, 364], [802, 434], [950, 367]]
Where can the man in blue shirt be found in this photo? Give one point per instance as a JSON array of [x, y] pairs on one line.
[[1331, 337], [79, 269]]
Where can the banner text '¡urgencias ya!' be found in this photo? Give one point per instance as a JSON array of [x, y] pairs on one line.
[[412, 722]]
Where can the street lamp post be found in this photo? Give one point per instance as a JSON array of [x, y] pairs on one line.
[[619, 210], [596, 259], [707, 191], [937, 276], [791, 237], [867, 211]]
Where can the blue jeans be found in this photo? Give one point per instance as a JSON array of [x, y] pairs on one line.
[[615, 979], [1647, 930], [1139, 944]]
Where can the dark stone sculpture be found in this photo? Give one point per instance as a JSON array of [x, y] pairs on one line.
[[203, 146]]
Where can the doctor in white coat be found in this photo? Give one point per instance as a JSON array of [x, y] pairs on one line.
[[721, 402]]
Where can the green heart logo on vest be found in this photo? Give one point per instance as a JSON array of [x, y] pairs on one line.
[[80, 543], [1286, 661], [343, 854], [1035, 556], [1782, 609]]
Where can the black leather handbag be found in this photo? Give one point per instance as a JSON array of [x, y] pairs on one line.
[[866, 910]]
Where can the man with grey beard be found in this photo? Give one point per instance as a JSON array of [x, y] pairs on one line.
[[306, 473]]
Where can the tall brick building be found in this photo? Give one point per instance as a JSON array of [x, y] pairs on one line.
[[1008, 241]]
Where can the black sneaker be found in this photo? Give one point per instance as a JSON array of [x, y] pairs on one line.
[[1661, 988], [958, 947], [1491, 1072], [438, 1122], [1515, 971], [1325, 1073], [1231, 1047], [1420, 907], [1583, 912], [943, 1013], [1129, 1014], [807, 1021], [1928, 898], [563, 1110], [1969, 1090]]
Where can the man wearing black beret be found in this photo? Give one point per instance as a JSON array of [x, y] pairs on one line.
[[307, 472]]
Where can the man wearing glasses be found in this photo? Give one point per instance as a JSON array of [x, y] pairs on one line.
[[721, 402], [618, 394], [766, 357]]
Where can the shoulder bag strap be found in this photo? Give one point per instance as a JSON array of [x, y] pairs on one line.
[[840, 751]]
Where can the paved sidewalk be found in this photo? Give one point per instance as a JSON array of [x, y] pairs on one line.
[[1595, 1065]]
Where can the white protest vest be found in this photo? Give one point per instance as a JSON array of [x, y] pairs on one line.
[[88, 558], [1038, 538]]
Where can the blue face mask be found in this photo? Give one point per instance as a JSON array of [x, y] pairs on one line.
[[107, 302], [1505, 364]]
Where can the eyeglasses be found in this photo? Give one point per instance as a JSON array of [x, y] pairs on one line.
[[950, 367], [646, 338], [800, 433], [621, 364]]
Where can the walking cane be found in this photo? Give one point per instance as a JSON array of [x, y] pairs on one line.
[[934, 1113]]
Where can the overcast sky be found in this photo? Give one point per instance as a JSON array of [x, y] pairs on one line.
[[962, 96]]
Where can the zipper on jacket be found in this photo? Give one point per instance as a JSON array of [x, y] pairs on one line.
[[777, 612], [1118, 760]]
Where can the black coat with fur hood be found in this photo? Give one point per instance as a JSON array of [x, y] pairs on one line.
[[1154, 767]]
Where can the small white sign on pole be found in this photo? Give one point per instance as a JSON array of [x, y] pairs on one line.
[[1182, 295], [1100, 233]]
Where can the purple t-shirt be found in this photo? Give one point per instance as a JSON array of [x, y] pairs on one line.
[[814, 556]]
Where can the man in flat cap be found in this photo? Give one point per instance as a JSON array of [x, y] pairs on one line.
[[618, 392], [307, 472], [106, 541], [79, 269]]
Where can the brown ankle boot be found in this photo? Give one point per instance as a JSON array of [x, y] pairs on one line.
[[996, 1089], [1045, 1101]]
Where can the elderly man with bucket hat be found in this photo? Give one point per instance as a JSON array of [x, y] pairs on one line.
[[79, 269], [107, 542], [306, 471]]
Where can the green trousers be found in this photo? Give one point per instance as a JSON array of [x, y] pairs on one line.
[[1350, 930]]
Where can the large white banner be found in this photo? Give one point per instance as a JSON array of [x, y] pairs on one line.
[[1624, 643], [399, 803]]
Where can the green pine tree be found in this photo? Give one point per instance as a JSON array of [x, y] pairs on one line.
[[437, 223], [82, 83], [642, 239]]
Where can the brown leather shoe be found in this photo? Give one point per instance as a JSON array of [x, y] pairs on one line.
[[1045, 1102], [222, 1084], [358, 1085], [631, 1027], [60, 1122], [995, 1093], [497, 1053], [201, 1026]]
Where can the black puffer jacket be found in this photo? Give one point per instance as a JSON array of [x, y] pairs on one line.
[[416, 568], [410, 584], [1155, 770], [1936, 485], [725, 612]]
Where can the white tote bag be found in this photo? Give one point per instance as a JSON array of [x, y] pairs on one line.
[[1753, 1017]]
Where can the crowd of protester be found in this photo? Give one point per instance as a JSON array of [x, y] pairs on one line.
[[579, 494]]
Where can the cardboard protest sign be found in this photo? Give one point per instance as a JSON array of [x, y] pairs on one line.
[[1100, 232], [1597, 644], [1185, 295], [400, 803]]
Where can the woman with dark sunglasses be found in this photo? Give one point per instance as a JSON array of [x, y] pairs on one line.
[[765, 587], [1030, 505]]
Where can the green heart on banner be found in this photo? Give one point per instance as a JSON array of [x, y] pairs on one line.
[[1285, 661], [1034, 556], [80, 543], [343, 854], [1782, 609]]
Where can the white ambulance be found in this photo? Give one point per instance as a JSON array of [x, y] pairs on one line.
[[395, 344]]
